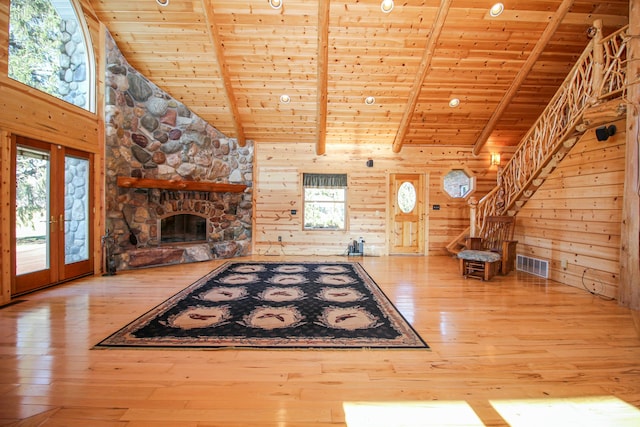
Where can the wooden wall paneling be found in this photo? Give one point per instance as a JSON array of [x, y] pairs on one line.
[[574, 217], [4, 36], [6, 233], [5, 171], [99, 173], [277, 191], [367, 210], [33, 114]]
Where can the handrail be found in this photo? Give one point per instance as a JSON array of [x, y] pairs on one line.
[[588, 83]]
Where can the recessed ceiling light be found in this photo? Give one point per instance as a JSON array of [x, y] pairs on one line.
[[386, 6], [163, 3], [276, 4], [454, 102], [369, 100], [285, 99], [496, 10]]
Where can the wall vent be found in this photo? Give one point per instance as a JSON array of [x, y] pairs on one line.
[[538, 267]]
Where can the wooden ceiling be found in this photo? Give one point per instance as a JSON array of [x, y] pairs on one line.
[[229, 61]]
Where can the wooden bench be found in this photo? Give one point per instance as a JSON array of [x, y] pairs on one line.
[[493, 253]]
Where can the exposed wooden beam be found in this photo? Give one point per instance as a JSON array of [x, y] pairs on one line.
[[629, 287], [549, 31], [214, 39], [323, 65], [423, 69]]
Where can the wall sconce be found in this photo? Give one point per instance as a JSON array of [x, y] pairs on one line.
[[276, 4], [604, 132], [495, 159]]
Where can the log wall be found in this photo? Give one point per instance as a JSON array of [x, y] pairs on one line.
[[278, 190], [575, 216]]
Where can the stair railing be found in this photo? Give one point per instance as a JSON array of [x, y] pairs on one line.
[[598, 75]]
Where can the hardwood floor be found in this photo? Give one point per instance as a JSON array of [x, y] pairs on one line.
[[517, 350]]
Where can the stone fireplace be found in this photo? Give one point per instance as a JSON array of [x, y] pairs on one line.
[[180, 226], [177, 189]]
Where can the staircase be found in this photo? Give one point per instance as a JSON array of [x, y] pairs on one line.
[[590, 96]]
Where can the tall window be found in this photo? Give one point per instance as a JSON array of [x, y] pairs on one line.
[[48, 50], [325, 201]]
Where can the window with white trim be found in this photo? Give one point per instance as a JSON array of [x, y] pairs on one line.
[[325, 201]]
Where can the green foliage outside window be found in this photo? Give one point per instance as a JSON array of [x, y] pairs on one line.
[[324, 208], [31, 191], [34, 44]]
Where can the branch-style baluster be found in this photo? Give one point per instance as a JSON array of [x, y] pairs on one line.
[[558, 121]]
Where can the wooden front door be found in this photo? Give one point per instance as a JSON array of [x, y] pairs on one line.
[[53, 216], [407, 207]]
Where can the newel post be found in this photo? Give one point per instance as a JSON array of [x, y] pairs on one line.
[[473, 203], [598, 61]]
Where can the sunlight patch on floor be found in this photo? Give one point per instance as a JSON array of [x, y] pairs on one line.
[[597, 411], [410, 414]]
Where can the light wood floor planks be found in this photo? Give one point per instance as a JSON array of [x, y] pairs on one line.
[[502, 353]]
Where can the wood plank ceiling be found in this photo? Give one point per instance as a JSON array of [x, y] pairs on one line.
[[230, 61]]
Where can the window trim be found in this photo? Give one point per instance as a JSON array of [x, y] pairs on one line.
[[472, 183]]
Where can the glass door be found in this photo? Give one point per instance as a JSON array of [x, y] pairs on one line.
[[52, 214]]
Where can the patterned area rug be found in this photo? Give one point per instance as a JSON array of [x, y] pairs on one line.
[[274, 305]]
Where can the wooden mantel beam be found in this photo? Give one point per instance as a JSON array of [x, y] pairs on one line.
[[423, 69], [549, 31], [175, 185], [323, 77], [214, 39]]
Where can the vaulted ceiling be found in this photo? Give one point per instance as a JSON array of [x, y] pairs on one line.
[[230, 61]]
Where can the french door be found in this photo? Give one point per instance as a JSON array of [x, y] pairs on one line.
[[407, 209], [53, 216]]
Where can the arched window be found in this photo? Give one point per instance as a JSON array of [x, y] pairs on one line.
[[49, 50]]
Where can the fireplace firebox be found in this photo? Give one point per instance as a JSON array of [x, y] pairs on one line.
[[183, 228]]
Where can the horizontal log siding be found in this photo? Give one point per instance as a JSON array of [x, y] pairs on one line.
[[575, 215], [278, 190]]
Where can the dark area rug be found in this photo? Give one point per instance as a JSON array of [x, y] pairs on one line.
[[274, 305]]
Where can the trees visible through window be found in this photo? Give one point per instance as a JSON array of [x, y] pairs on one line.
[[407, 197], [325, 201], [48, 50]]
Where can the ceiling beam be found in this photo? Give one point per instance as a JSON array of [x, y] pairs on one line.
[[214, 39], [423, 69], [549, 31], [323, 65]]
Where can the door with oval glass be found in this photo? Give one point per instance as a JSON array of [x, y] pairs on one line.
[[407, 202], [52, 232]]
